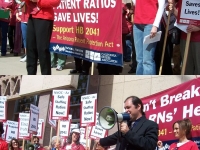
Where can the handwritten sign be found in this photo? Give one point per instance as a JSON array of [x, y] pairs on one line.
[[33, 120], [23, 126], [97, 131], [3, 108], [189, 12], [51, 121], [88, 110], [65, 127], [40, 128], [11, 131], [60, 101]]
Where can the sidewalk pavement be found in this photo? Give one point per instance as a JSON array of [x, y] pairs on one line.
[[11, 65]]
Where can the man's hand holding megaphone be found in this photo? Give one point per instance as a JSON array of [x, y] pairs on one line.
[[124, 127]]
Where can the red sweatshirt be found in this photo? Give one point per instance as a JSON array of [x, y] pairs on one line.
[[145, 11], [187, 146], [12, 6], [46, 8]]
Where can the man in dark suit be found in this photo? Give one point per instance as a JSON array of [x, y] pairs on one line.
[[139, 134]]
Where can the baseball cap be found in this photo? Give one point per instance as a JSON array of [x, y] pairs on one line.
[[76, 130]]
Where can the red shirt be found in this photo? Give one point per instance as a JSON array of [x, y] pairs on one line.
[[24, 14], [145, 11], [75, 147], [46, 8], [3, 145], [187, 146], [12, 6]]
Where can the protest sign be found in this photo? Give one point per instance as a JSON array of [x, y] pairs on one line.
[[189, 12], [40, 129], [52, 122], [91, 35], [65, 127], [97, 131], [88, 110], [23, 126], [60, 104], [176, 103], [73, 126], [33, 120], [3, 108], [82, 136], [11, 131]]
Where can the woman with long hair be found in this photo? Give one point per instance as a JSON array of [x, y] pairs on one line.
[[73, 141], [182, 131], [14, 144]]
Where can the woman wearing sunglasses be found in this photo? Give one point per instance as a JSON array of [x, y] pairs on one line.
[[14, 144], [182, 131]]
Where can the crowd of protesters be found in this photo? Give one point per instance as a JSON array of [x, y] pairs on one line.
[[32, 21]]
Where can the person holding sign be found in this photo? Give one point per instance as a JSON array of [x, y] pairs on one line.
[[146, 21], [39, 30], [193, 58], [3, 144], [73, 141], [14, 144], [182, 131], [139, 134]]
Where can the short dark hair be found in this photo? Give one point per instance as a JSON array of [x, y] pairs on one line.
[[136, 101], [35, 137]]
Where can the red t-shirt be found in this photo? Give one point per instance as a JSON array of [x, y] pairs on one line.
[[145, 11], [3, 145], [195, 36], [74, 147], [190, 145]]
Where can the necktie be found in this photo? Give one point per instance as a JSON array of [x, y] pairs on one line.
[[132, 124]]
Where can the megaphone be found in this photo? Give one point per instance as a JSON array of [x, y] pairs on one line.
[[108, 117]]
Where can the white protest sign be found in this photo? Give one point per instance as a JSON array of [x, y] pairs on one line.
[[65, 127], [73, 126], [40, 128], [97, 131], [12, 130], [82, 135], [60, 104], [3, 108], [189, 12], [34, 118], [52, 122], [4, 128], [23, 126], [88, 110]]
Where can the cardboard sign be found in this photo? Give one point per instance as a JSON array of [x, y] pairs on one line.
[[40, 128], [11, 131], [61, 101], [82, 135], [33, 120], [189, 12], [3, 108], [97, 131], [23, 126], [65, 127], [88, 110], [52, 122]]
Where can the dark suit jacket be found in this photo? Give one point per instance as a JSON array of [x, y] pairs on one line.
[[143, 136]]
